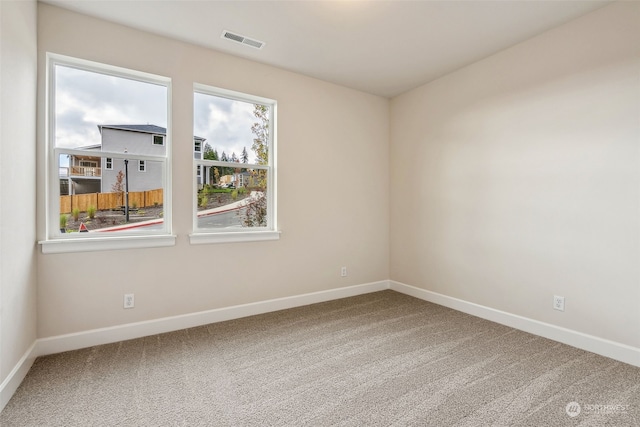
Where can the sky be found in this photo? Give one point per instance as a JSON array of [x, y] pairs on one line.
[[85, 99]]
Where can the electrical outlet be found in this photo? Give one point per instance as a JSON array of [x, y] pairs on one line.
[[343, 272], [129, 302], [558, 303]]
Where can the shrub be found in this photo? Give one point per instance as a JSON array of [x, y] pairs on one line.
[[242, 190], [63, 221], [203, 202], [91, 211], [134, 204], [234, 194], [75, 213], [256, 213]]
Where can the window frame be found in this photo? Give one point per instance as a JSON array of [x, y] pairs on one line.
[[108, 163], [248, 234], [142, 166], [153, 140], [54, 241]]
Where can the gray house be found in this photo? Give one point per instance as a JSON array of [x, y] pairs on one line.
[[82, 173], [149, 140]]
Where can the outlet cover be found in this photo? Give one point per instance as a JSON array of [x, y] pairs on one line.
[[129, 301], [558, 303]]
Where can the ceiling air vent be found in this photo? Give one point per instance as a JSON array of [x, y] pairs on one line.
[[242, 39]]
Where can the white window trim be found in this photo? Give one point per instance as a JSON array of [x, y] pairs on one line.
[[53, 241], [142, 166], [252, 234], [108, 163]]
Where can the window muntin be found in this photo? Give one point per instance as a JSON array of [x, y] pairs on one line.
[[142, 166], [235, 188], [86, 99], [158, 139]]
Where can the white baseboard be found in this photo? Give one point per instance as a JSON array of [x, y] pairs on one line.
[[60, 343], [15, 377], [603, 347]]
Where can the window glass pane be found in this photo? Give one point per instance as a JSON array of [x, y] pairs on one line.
[[226, 125], [234, 188], [110, 149], [85, 100], [237, 200]]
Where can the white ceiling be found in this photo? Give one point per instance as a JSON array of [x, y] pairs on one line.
[[380, 47]]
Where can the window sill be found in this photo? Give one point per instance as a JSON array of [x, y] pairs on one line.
[[233, 237], [105, 244]]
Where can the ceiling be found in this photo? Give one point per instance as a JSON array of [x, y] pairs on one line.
[[381, 47]]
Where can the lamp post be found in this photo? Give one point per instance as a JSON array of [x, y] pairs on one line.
[[126, 189]]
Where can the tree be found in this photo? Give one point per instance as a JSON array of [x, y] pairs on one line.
[[235, 159], [244, 156], [209, 153], [225, 158], [256, 213], [118, 185], [261, 130]]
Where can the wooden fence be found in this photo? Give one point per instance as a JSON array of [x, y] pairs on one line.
[[103, 201]]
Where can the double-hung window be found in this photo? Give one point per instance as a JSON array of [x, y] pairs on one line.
[[106, 186], [235, 178]]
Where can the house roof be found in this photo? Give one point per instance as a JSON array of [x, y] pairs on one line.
[[153, 129]]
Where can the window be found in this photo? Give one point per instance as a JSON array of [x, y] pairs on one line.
[[234, 182], [158, 139], [104, 115], [197, 145]]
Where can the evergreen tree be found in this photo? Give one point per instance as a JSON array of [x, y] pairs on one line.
[[225, 158], [209, 153]]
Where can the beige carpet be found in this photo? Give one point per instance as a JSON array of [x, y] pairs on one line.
[[378, 359]]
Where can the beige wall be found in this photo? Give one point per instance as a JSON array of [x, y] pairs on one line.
[[332, 191], [17, 182], [517, 178]]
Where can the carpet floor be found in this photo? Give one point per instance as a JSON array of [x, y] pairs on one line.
[[381, 359]]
